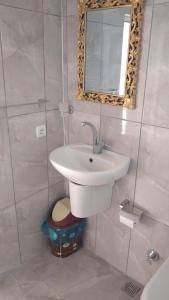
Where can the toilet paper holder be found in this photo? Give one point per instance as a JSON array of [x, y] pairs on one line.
[[129, 215]]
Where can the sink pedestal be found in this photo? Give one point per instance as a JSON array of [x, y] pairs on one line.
[[87, 201]]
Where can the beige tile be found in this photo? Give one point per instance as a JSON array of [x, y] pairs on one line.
[[32, 245], [74, 270], [13, 293], [2, 89], [6, 183], [53, 60], [29, 155], [152, 189], [52, 7], [3, 110], [122, 137], [86, 107], [22, 45], [57, 191], [71, 7], [156, 106], [160, 1], [36, 290], [90, 234], [107, 287], [9, 246], [71, 55], [112, 240], [55, 139], [31, 4], [74, 277], [146, 235], [31, 212]]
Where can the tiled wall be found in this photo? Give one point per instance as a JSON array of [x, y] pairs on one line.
[[143, 135], [30, 69]]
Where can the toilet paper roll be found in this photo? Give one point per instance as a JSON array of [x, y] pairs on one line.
[[130, 219]]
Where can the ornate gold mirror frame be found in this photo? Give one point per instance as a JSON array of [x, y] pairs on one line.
[[128, 100]]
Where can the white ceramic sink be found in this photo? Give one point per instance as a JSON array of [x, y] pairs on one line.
[[79, 165], [158, 286]]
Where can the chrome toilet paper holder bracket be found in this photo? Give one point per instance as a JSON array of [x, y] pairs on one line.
[[124, 204]]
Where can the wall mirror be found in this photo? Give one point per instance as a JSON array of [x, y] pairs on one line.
[[109, 36]]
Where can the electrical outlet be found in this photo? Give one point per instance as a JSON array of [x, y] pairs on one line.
[[41, 131]]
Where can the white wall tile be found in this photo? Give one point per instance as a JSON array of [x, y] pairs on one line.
[[56, 192], [29, 155], [147, 234], [112, 239], [6, 183], [123, 137], [9, 247], [156, 108], [53, 60], [26, 4], [152, 189], [31, 212], [52, 7], [55, 139], [71, 7], [22, 45], [90, 234]]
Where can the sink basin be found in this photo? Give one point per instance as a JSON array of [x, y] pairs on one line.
[[158, 286], [91, 176], [79, 165]]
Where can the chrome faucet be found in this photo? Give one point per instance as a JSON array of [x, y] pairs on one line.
[[97, 144]]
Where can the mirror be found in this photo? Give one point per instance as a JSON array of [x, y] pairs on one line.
[[107, 41], [108, 47]]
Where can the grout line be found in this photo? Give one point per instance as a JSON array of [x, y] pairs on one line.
[[95, 239], [138, 153], [30, 10], [135, 182], [45, 95], [21, 8], [26, 114], [10, 151], [64, 70], [30, 113], [97, 115], [147, 66], [121, 119], [156, 126], [161, 4]]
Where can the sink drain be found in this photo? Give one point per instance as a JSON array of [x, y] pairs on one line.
[[131, 289]]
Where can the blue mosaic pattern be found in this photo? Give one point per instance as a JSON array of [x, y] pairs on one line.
[[63, 236]]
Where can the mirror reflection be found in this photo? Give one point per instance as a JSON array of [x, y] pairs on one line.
[[107, 42]]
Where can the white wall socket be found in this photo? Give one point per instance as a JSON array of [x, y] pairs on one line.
[[41, 131]]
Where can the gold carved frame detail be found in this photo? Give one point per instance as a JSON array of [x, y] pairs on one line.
[[128, 100]]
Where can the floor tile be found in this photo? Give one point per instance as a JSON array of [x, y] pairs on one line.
[[80, 276]]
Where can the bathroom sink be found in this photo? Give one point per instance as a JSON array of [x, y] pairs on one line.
[[80, 165], [158, 286]]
